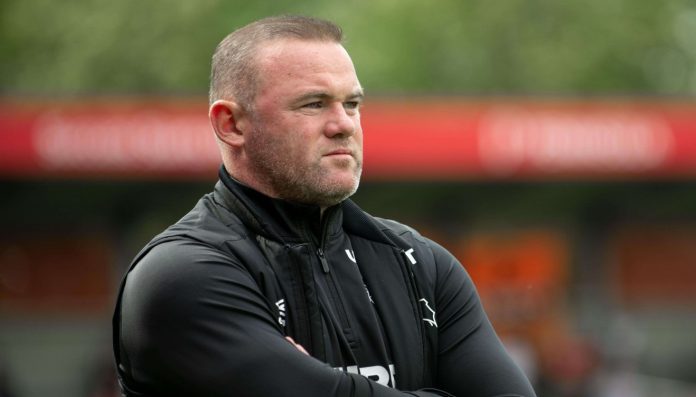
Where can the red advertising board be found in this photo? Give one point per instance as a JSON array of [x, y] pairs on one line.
[[414, 139]]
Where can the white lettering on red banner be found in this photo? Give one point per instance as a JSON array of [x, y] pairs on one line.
[[126, 142], [513, 140]]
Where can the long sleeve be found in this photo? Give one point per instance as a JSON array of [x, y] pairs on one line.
[[194, 322], [472, 361]]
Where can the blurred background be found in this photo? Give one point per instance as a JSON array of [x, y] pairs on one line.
[[551, 146]]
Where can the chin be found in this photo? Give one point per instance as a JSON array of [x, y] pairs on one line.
[[336, 192], [347, 190]]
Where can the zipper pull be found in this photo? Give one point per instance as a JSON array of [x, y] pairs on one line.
[[322, 259]]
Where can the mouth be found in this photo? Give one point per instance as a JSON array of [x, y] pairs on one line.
[[340, 152]]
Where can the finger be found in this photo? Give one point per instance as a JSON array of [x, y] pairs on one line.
[[297, 345]]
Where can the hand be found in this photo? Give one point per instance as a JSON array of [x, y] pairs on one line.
[[297, 345]]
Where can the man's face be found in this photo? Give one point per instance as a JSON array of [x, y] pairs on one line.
[[305, 143]]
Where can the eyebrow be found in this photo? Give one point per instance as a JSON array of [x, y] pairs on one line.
[[357, 94]]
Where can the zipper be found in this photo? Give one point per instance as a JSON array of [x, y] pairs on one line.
[[322, 259], [323, 231], [416, 296], [330, 282], [334, 294]]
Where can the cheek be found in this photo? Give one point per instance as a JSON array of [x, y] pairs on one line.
[[297, 147], [358, 136], [294, 138]]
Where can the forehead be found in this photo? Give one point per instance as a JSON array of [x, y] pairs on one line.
[[299, 64]]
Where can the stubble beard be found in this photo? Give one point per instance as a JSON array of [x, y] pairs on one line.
[[308, 184]]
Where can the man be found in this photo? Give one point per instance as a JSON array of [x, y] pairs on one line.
[[276, 284]]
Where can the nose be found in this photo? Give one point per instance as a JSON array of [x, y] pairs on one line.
[[342, 122]]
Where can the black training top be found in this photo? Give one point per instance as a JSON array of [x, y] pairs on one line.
[[382, 311]]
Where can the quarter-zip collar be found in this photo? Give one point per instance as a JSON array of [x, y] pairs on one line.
[[279, 219]]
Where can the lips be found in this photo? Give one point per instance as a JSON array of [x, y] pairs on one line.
[[339, 152]]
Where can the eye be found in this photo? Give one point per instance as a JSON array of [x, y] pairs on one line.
[[352, 105], [313, 105]]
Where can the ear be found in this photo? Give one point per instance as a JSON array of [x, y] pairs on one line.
[[230, 122]]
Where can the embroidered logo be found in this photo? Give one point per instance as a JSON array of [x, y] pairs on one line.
[[409, 255], [281, 312], [377, 373], [430, 321], [351, 256]]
